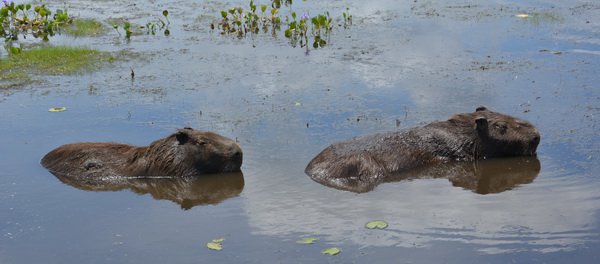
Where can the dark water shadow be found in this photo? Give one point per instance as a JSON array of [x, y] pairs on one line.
[[482, 176], [188, 192]]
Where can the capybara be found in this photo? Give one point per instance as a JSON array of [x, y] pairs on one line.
[[483, 134], [187, 152]]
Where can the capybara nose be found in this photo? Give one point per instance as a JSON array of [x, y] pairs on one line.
[[536, 140], [235, 151], [237, 154]]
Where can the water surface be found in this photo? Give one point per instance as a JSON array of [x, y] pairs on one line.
[[401, 64]]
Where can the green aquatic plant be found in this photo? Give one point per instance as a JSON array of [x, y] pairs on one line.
[[50, 60], [347, 18], [215, 244], [307, 240], [153, 26], [28, 20], [236, 21], [377, 224], [277, 3], [239, 22], [331, 251], [150, 27]]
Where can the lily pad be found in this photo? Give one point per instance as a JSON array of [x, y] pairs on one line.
[[57, 109], [331, 251], [522, 15], [307, 240], [214, 246], [218, 240], [376, 225]]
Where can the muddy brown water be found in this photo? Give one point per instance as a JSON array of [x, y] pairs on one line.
[[402, 64]]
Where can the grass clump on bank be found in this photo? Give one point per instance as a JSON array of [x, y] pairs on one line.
[[50, 60], [85, 27]]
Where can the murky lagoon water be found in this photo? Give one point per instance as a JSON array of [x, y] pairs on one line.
[[402, 62]]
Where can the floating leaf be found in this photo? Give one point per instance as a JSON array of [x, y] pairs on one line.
[[298, 104], [214, 246], [376, 225], [57, 109], [522, 15], [307, 240], [218, 240], [331, 251]]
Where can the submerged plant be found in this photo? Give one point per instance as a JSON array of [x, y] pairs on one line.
[[17, 68], [84, 27]]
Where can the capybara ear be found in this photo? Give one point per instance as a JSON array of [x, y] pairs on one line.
[[182, 136], [482, 124], [480, 108]]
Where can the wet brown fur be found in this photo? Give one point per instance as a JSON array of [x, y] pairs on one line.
[[482, 134], [187, 152]]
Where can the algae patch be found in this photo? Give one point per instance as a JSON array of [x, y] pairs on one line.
[[17, 69]]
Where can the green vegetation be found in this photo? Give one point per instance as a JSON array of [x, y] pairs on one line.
[[85, 27], [150, 28], [54, 60], [307, 240], [331, 251], [240, 22], [25, 19], [50, 60], [376, 225]]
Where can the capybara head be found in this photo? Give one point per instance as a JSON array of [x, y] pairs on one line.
[[503, 136], [193, 152]]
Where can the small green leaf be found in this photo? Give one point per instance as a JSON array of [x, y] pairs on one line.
[[376, 225], [307, 240], [331, 251], [57, 109], [218, 240], [214, 246]]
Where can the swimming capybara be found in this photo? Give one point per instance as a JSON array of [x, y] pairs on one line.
[[187, 152], [482, 134]]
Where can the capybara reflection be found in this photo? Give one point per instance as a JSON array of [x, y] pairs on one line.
[[185, 191], [187, 152], [479, 176], [483, 134]]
